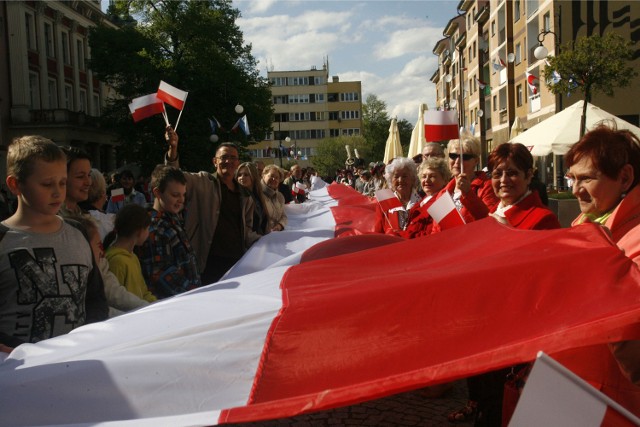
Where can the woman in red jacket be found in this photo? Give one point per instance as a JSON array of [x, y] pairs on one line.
[[511, 167], [471, 190]]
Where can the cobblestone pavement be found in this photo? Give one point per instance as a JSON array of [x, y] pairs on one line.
[[404, 409]]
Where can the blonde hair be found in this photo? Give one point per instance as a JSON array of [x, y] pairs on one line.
[[24, 151], [269, 168], [470, 144]]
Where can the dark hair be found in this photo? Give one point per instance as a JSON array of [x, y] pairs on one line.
[[517, 153], [609, 149], [162, 175], [228, 145], [75, 153], [126, 174], [129, 220]]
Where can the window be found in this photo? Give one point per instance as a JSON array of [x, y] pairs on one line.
[[83, 101], [516, 11], [547, 21], [334, 115], [80, 53], [493, 28], [53, 93], [34, 91], [332, 97], [31, 31], [334, 133], [351, 132], [298, 81], [68, 97], [470, 52], [518, 53], [282, 99], [96, 105], [519, 95], [320, 97], [474, 49], [302, 98], [48, 40], [347, 115], [495, 103], [278, 81], [318, 80], [300, 117], [64, 39], [349, 96]]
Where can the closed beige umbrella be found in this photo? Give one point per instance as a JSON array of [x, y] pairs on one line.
[[417, 136], [516, 128], [393, 148]]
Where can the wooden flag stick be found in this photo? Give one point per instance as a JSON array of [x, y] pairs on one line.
[[180, 115]]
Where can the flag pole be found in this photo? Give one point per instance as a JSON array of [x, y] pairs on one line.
[[180, 114], [164, 114]]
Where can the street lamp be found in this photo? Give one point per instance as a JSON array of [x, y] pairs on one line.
[[541, 52], [216, 127]]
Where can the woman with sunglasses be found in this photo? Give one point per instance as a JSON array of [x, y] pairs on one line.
[[471, 190], [511, 167]]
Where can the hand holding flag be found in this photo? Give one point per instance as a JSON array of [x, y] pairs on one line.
[[389, 204]]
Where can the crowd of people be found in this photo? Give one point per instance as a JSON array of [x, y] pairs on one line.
[[119, 247]]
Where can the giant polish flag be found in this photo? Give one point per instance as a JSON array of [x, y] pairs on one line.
[[441, 125], [145, 106], [307, 322]]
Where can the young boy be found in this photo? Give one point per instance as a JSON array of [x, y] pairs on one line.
[[48, 285], [168, 261]]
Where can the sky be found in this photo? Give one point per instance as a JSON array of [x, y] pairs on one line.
[[387, 45]]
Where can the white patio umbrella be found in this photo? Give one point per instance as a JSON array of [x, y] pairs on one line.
[[393, 148], [417, 136], [559, 132]]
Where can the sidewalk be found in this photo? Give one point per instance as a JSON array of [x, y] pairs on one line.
[[405, 409]]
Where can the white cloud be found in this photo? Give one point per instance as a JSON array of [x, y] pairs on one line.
[[403, 42]]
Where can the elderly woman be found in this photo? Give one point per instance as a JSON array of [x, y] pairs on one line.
[[273, 199], [95, 203], [604, 167], [511, 167], [434, 174], [402, 178], [471, 190], [247, 175]]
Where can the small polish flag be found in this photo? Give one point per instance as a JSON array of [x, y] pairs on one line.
[[117, 195], [299, 188], [532, 80], [389, 204], [145, 106], [243, 124], [172, 95], [440, 125], [444, 212]]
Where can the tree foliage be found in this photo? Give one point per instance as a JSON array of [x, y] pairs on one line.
[[376, 128], [590, 65], [195, 46], [376, 123], [331, 153]]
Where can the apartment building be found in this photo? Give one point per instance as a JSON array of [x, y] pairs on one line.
[[46, 87], [309, 107], [487, 52]]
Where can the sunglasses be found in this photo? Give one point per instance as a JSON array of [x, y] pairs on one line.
[[465, 157]]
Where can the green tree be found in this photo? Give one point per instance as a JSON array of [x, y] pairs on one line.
[[331, 153], [376, 123], [590, 65], [405, 129], [195, 46]]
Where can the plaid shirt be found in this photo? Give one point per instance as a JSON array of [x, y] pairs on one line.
[[167, 258]]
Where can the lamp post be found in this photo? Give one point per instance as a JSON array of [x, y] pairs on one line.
[[215, 126], [541, 52]]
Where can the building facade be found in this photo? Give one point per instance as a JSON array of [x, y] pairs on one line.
[[487, 53], [309, 107], [46, 86]]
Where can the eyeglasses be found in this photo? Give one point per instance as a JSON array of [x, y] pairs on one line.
[[227, 158], [498, 173], [465, 157]]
